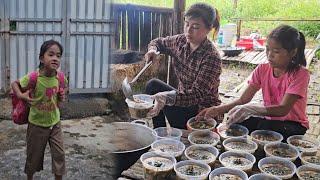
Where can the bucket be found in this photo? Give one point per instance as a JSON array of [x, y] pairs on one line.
[[229, 32]]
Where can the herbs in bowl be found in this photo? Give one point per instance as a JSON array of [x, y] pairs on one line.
[[203, 153], [201, 124]]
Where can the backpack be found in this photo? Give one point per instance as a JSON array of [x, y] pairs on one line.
[[20, 108]]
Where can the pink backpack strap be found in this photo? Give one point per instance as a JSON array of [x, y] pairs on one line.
[[33, 76], [60, 76]]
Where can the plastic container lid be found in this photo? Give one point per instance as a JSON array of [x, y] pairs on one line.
[[263, 137], [214, 152], [240, 144], [303, 143], [243, 155], [279, 164], [164, 132], [202, 124], [235, 130], [168, 147], [308, 171], [263, 177], [275, 148], [204, 137], [229, 171], [195, 165]]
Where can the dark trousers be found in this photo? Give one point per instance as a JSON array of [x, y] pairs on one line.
[[286, 128], [176, 115]]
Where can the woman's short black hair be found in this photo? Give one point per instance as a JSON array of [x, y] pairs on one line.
[[207, 13]]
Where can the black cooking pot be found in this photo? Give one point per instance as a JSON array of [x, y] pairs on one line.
[[130, 141], [232, 51]]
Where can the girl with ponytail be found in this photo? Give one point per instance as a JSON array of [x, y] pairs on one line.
[[284, 83]]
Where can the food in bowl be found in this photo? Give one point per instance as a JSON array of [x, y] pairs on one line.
[[225, 173], [241, 161], [157, 166], [226, 177], [168, 147], [204, 137], [310, 158], [190, 169], [281, 150], [140, 105], [263, 137], [279, 167], [204, 153], [276, 169], [303, 143], [202, 124], [308, 172], [240, 144], [235, 130]]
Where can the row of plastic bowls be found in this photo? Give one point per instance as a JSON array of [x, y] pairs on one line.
[[164, 173]]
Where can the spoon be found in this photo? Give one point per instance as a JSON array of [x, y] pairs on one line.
[[126, 88], [169, 129]]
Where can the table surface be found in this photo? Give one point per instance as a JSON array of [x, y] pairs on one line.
[[136, 170]]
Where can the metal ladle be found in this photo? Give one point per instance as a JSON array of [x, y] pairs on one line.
[[126, 88]]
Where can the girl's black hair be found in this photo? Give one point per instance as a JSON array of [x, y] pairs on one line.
[[207, 13], [45, 46], [290, 38]]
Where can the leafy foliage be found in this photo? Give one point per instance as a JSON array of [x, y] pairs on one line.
[[284, 9]]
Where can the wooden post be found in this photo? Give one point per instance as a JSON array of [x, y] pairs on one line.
[[177, 24], [179, 8]]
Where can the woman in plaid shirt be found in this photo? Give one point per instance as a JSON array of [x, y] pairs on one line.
[[197, 65]]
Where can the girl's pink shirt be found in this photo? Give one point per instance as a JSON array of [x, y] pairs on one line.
[[274, 89]]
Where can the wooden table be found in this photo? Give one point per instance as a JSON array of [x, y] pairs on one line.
[[260, 57], [136, 170]]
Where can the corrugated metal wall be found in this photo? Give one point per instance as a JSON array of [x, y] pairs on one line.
[[2, 48], [82, 27], [90, 28]]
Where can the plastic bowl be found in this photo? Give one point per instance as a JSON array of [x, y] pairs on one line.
[[163, 132], [240, 144], [202, 124], [309, 171], [303, 143], [235, 130], [281, 150], [310, 158], [140, 106], [285, 167], [263, 177], [182, 166], [202, 153], [263, 137], [157, 166], [242, 161], [168, 147], [224, 171], [204, 137], [232, 51]]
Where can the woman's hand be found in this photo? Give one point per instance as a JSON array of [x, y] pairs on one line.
[[61, 95], [162, 99], [208, 113], [151, 55]]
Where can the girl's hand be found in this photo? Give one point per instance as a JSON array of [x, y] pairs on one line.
[[61, 95], [25, 96], [208, 113]]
